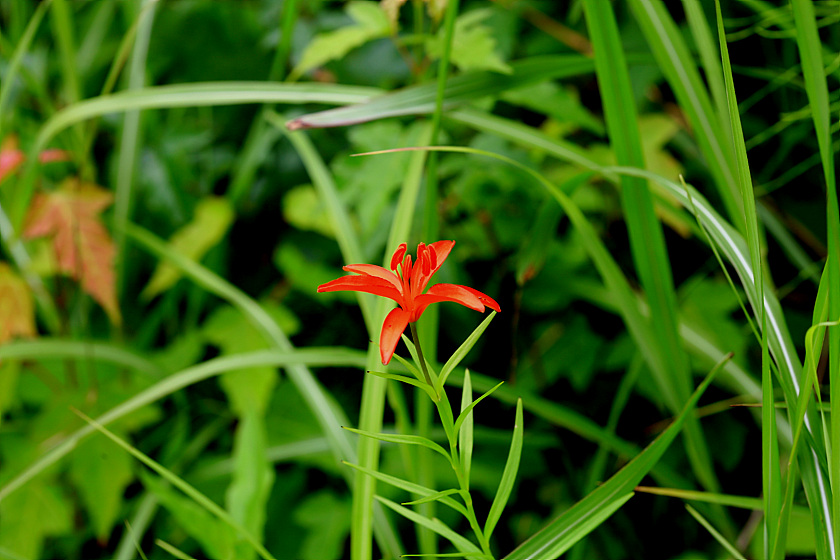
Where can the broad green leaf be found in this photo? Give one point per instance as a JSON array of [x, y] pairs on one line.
[[508, 476], [213, 216], [26, 519], [253, 477], [101, 472], [473, 44], [370, 23], [326, 518], [215, 537], [303, 209]]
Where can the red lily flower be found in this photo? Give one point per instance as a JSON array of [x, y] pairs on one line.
[[406, 287]]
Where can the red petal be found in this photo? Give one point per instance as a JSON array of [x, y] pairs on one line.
[[367, 284], [446, 292], [398, 255], [394, 325], [441, 249], [377, 271], [485, 299]]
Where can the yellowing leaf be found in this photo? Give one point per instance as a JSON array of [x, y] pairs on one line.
[[392, 10], [83, 248], [17, 316], [213, 216]]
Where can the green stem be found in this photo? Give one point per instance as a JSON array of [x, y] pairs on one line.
[[416, 339]]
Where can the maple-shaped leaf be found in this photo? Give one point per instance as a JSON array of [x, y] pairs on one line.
[[17, 316], [83, 248]]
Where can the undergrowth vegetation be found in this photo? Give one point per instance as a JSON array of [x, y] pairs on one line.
[[641, 193]]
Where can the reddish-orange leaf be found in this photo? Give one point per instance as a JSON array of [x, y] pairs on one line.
[[11, 157], [83, 248], [17, 316]]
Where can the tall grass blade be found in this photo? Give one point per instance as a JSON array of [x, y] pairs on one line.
[[647, 241], [810, 52], [770, 468], [575, 523], [676, 62]]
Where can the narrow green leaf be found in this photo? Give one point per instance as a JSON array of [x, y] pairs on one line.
[[508, 476], [434, 497], [464, 426], [771, 470], [409, 487], [468, 549], [172, 550], [400, 438], [461, 352], [647, 241], [714, 532], [466, 406], [816, 86], [403, 379]]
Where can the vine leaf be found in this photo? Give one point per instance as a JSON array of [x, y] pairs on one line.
[[84, 250]]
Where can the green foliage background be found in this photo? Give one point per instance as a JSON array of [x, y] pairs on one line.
[[226, 131]]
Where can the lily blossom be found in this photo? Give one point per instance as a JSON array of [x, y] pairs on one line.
[[406, 283]]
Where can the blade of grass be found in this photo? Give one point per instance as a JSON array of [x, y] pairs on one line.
[[576, 522], [715, 533], [677, 64], [647, 241], [770, 468], [131, 140], [734, 248], [421, 99], [171, 96], [508, 476], [810, 52], [83, 350]]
